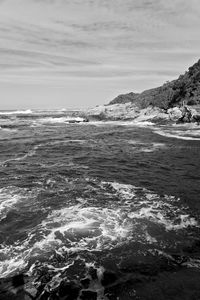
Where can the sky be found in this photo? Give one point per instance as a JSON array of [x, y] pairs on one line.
[[82, 53]]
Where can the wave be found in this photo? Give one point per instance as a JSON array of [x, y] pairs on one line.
[[188, 136], [54, 120], [138, 146], [17, 112], [30, 153], [8, 129]]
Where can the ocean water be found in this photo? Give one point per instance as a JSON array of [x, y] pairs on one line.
[[104, 208]]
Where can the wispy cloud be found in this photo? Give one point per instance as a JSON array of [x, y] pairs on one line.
[[97, 40]]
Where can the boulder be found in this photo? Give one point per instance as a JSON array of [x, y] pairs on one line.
[[174, 113]]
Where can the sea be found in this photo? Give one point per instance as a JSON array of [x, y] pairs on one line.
[[101, 209]]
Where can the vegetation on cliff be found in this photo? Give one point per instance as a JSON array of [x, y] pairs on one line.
[[130, 97]]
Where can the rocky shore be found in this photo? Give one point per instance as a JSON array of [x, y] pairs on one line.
[[129, 111]]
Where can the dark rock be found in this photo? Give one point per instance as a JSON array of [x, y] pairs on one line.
[[186, 115], [93, 273], [69, 289], [85, 283], [108, 278], [77, 268], [18, 280], [88, 295]]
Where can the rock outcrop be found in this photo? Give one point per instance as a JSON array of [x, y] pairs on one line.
[[114, 112]]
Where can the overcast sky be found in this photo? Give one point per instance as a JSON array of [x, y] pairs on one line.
[[80, 53]]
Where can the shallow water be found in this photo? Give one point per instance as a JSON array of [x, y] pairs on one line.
[[96, 196]]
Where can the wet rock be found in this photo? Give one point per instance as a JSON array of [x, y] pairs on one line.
[[108, 278], [44, 296], [88, 295]]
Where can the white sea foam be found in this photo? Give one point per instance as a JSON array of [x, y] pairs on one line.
[[9, 266], [8, 198], [90, 227], [131, 123], [165, 211], [87, 228], [129, 215]]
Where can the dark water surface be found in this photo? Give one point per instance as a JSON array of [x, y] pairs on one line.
[[100, 210]]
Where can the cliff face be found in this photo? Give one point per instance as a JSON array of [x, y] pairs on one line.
[[184, 89]]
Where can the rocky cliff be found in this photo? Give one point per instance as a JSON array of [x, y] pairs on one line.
[[184, 89], [176, 100]]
